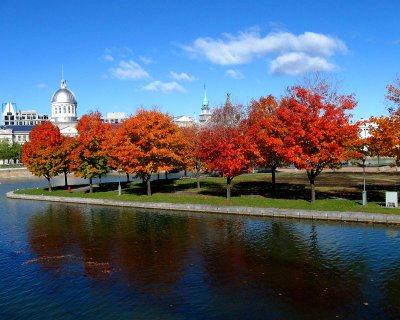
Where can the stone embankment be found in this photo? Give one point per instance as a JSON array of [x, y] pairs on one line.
[[15, 173], [266, 212]]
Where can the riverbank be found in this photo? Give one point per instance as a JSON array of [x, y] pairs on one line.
[[362, 217]]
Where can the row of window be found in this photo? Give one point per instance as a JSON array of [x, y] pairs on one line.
[[64, 109]]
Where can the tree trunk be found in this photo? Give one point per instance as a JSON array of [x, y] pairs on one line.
[[228, 187], [127, 177], [65, 179], [311, 178], [90, 185], [185, 173], [198, 183], [166, 175], [148, 187], [49, 184], [273, 177]]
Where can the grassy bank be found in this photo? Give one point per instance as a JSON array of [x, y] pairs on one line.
[[336, 191]]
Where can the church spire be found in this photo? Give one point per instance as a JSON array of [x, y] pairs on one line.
[[205, 104]]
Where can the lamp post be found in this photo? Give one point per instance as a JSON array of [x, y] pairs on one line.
[[119, 183], [364, 193]]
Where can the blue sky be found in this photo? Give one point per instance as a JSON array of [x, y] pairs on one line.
[[121, 55]]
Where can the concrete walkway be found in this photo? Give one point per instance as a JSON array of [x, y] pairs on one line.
[[250, 211]]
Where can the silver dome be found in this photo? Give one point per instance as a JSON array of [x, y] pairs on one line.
[[63, 94]]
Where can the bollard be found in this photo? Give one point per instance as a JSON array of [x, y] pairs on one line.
[[69, 189]]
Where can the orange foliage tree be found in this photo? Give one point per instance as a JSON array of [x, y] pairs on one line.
[[316, 131], [41, 154], [265, 134], [225, 144], [190, 151], [148, 142], [89, 159], [385, 135]]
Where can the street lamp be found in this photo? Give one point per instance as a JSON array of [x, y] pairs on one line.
[[119, 183], [364, 193]]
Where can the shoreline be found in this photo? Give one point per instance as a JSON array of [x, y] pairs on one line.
[[361, 217]]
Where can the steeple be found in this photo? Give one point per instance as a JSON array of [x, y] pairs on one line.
[[228, 99], [63, 81], [205, 104], [205, 108]]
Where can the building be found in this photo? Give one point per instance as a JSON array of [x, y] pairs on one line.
[[183, 121], [114, 117], [64, 110], [11, 116], [205, 109]]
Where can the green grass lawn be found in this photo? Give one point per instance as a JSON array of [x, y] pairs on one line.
[[335, 191]]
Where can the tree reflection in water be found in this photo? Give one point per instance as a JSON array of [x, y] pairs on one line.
[[227, 263]]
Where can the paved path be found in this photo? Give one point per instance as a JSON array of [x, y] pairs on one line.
[[268, 212]]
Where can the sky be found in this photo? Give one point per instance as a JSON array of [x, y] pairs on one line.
[[117, 56]]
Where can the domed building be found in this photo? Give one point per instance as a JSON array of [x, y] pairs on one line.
[[63, 110]]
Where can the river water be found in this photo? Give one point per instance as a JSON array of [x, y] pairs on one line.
[[88, 262]]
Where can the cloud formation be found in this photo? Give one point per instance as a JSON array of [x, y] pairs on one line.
[[128, 70], [314, 48], [234, 74], [166, 87], [181, 76]]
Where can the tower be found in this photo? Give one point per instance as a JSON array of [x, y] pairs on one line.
[[205, 109], [63, 105]]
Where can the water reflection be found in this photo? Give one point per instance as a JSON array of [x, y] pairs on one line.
[[219, 266]]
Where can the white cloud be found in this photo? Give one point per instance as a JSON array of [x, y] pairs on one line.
[[108, 57], [181, 76], [166, 87], [128, 70], [248, 45], [234, 74], [297, 63], [41, 86], [146, 60]]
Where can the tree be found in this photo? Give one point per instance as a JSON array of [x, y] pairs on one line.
[[224, 142], [393, 95], [65, 152], [265, 134], [40, 154], [190, 153], [89, 159], [148, 143], [316, 130], [385, 135]]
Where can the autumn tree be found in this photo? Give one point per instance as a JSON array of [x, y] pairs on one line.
[[385, 130], [88, 159], [148, 143], [190, 151], [65, 152], [315, 128], [40, 154], [266, 134], [224, 142], [385, 135]]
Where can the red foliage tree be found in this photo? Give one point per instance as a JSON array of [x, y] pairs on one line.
[[316, 130], [89, 159], [225, 143], [265, 134], [41, 154]]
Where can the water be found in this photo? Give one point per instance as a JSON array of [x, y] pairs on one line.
[[75, 261]]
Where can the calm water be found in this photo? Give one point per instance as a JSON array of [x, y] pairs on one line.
[[75, 261]]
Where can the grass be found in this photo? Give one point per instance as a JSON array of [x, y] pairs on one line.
[[336, 191]]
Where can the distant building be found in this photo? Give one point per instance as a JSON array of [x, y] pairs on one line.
[[64, 110], [183, 121], [114, 117], [205, 109], [11, 116], [364, 127]]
